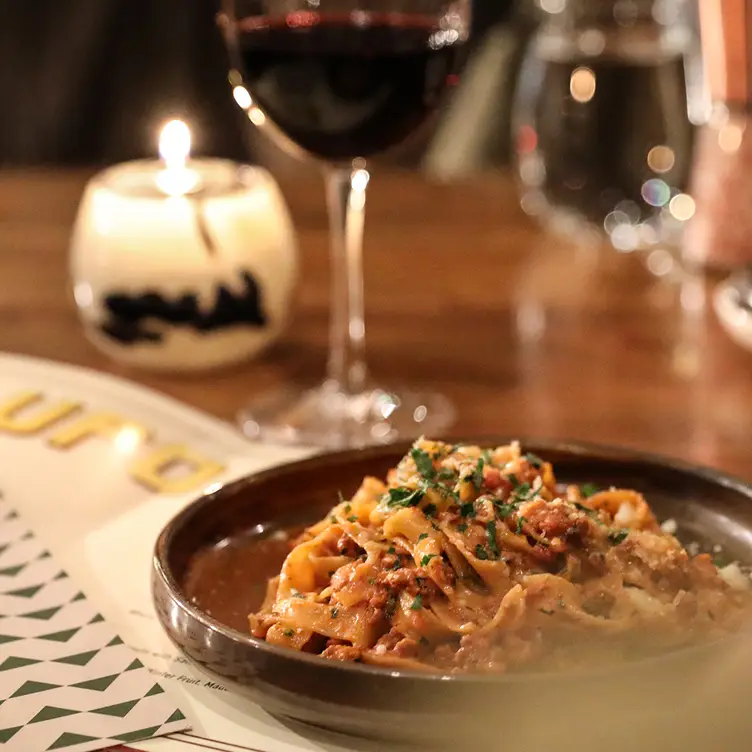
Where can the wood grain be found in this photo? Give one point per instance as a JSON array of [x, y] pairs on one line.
[[529, 335]]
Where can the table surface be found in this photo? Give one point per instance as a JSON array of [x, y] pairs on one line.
[[529, 335]]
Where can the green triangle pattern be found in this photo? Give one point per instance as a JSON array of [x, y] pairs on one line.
[[28, 535], [79, 659], [68, 740], [50, 712], [63, 636], [12, 515], [60, 576], [4, 638], [133, 736], [115, 641], [45, 614], [4, 548], [12, 571], [96, 619], [79, 596], [8, 733], [13, 662], [44, 555], [28, 592], [155, 690], [98, 685], [135, 663], [31, 687], [118, 711], [176, 716]]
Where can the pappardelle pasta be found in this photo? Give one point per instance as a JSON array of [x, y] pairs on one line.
[[471, 559]]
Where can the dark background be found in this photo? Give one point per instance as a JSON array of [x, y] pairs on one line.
[[89, 81]]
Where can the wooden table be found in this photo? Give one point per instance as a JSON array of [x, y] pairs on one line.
[[529, 335]]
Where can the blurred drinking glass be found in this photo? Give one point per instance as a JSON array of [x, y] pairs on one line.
[[603, 123]]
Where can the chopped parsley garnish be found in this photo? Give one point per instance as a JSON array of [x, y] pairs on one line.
[[480, 552], [588, 510], [493, 546], [297, 594], [534, 460], [348, 508], [468, 509], [424, 561], [417, 603], [288, 633], [617, 536], [462, 527], [520, 523], [487, 457], [335, 613], [504, 510], [522, 492], [397, 564], [424, 463], [588, 489], [390, 607], [477, 476], [391, 550], [371, 581], [446, 474], [719, 562], [512, 478], [429, 510], [422, 536], [404, 497], [352, 518], [332, 518]]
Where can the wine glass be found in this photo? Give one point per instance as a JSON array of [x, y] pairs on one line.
[[339, 81], [603, 121]]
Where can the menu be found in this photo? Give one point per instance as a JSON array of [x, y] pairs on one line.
[[96, 466]]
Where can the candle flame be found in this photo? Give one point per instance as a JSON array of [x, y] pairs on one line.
[[175, 148], [175, 144]]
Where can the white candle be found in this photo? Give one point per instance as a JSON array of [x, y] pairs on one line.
[[181, 263]]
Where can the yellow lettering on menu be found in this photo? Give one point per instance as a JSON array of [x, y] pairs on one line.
[[11, 421], [107, 425], [174, 469]]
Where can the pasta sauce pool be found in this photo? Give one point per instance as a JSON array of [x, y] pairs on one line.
[[228, 581]]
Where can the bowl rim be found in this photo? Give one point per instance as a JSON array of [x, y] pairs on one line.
[[575, 448]]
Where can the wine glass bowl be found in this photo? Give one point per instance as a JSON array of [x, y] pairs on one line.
[[601, 119], [341, 82]]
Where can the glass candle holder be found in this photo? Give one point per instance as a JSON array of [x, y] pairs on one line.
[[182, 265]]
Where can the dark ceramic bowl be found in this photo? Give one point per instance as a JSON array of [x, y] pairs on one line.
[[690, 699]]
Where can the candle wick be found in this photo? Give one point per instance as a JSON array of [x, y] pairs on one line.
[[202, 226]]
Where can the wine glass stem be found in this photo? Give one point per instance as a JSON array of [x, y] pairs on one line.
[[346, 200]]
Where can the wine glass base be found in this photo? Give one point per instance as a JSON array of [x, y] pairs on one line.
[[327, 417]]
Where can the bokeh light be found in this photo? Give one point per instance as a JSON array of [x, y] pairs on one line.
[[656, 192], [582, 84], [661, 158], [682, 207]]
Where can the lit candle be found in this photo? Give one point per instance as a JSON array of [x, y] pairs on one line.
[[182, 263], [176, 179]]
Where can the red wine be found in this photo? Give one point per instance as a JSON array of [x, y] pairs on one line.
[[340, 90]]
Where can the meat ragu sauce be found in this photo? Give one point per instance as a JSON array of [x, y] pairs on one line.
[[465, 559], [229, 581]]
